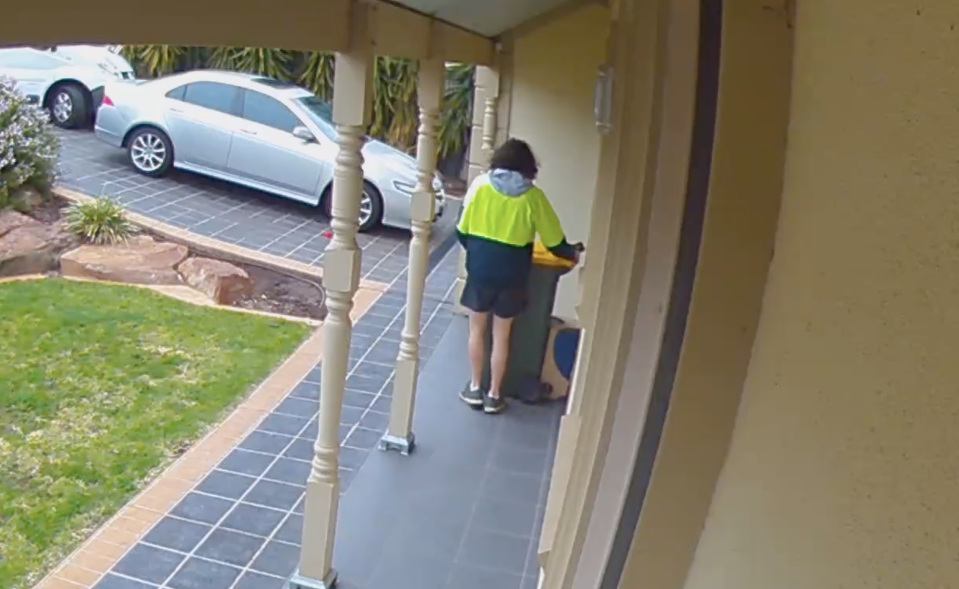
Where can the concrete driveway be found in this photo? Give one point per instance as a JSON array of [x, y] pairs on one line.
[[232, 213]]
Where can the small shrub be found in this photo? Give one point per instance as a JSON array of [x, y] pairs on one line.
[[29, 150], [101, 222]]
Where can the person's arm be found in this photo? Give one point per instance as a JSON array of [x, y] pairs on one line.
[[550, 230], [463, 226]]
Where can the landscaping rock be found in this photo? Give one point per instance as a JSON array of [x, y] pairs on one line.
[[140, 260], [26, 249], [221, 281], [10, 220], [29, 197]]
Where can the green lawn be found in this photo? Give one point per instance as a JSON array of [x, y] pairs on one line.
[[99, 386]]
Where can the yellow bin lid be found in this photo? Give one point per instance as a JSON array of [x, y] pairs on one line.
[[544, 257]]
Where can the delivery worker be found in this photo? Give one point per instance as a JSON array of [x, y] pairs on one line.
[[502, 212]]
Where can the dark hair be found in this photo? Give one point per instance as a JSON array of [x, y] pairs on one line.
[[515, 155]]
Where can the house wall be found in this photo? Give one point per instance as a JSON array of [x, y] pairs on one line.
[[842, 467], [551, 86]]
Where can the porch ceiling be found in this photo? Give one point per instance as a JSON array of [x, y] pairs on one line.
[[489, 18]]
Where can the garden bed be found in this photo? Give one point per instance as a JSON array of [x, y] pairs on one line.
[[102, 386], [271, 291]]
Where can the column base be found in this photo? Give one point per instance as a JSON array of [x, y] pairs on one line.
[[298, 581], [402, 445]]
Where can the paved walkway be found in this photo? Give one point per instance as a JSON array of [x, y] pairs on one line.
[[240, 527], [231, 213]]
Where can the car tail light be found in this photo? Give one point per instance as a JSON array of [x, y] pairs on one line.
[[107, 101]]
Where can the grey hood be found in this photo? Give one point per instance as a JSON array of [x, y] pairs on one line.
[[509, 182]]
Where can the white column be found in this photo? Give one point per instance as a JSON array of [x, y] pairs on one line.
[[352, 92], [422, 208], [482, 144]]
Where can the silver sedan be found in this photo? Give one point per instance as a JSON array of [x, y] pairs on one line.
[[254, 131]]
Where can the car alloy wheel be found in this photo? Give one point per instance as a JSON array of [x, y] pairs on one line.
[[148, 152], [366, 207], [62, 107]]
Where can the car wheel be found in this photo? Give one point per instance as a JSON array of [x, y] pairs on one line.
[[150, 151], [371, 207], [68, 106]]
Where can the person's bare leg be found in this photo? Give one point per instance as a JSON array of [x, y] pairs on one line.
[[477, 349], [478, 323], [500, 356]]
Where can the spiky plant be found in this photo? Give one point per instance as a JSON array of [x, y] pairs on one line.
[[317, 74], [265, 61], [101, 222], [222, 58], [154, 60], [457, 114]]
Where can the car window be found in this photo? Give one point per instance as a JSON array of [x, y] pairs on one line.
[[266, 110], [177, 93], [28, 60], [212, 95]]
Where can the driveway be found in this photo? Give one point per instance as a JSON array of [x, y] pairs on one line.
[[234, 214]]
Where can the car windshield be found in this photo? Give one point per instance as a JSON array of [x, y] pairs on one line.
[[320, 112]]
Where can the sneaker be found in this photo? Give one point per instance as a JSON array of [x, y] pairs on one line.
[[473, 397], [493, 405]]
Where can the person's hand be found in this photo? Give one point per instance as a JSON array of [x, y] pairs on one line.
[[580, 248]]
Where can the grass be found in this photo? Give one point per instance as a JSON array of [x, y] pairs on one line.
[[100, 386]]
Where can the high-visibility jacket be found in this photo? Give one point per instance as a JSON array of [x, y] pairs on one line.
[[498, 231]]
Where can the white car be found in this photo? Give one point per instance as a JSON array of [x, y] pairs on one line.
[[67, 79]]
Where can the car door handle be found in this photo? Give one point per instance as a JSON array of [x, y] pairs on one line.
[[248, 131], [177, 110]]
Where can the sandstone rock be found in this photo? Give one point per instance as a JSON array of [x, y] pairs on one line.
[[29, 197], [10, 220], [26, 249], [141, 260], [221, 281]]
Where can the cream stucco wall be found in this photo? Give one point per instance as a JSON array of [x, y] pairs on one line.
[[551, 106], [842, 467]]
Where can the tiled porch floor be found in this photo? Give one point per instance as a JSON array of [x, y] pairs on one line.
[[463, 511]]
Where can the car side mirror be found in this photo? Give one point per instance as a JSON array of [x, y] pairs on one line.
[[304, 134]]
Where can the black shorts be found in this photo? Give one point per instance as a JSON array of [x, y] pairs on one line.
[[505, 303]]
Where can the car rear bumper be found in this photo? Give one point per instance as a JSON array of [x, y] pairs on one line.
[[110, 127]]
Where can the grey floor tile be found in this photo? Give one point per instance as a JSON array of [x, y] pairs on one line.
[[439, 539], [468, 577], [397, 570], [357, 399], [203, 574], [300, 449], [202, 508], [252, 519], [375, 421], [267, 442], [352, 458], [504, 516], [363, 439], [115, 582], [297, 407], [294, 472], [307, 390], [254, 580], [177, 534], [283, 424], [494, 551], [277, 559], [351, 415], [230, 547], [366, 384], [149, 564], [226, 484], [271, 494], [246, 462], [521, 488], [382, 404], [292, 530], [520, 460]]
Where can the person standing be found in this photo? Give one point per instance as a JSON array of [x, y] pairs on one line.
[[503, 211]]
